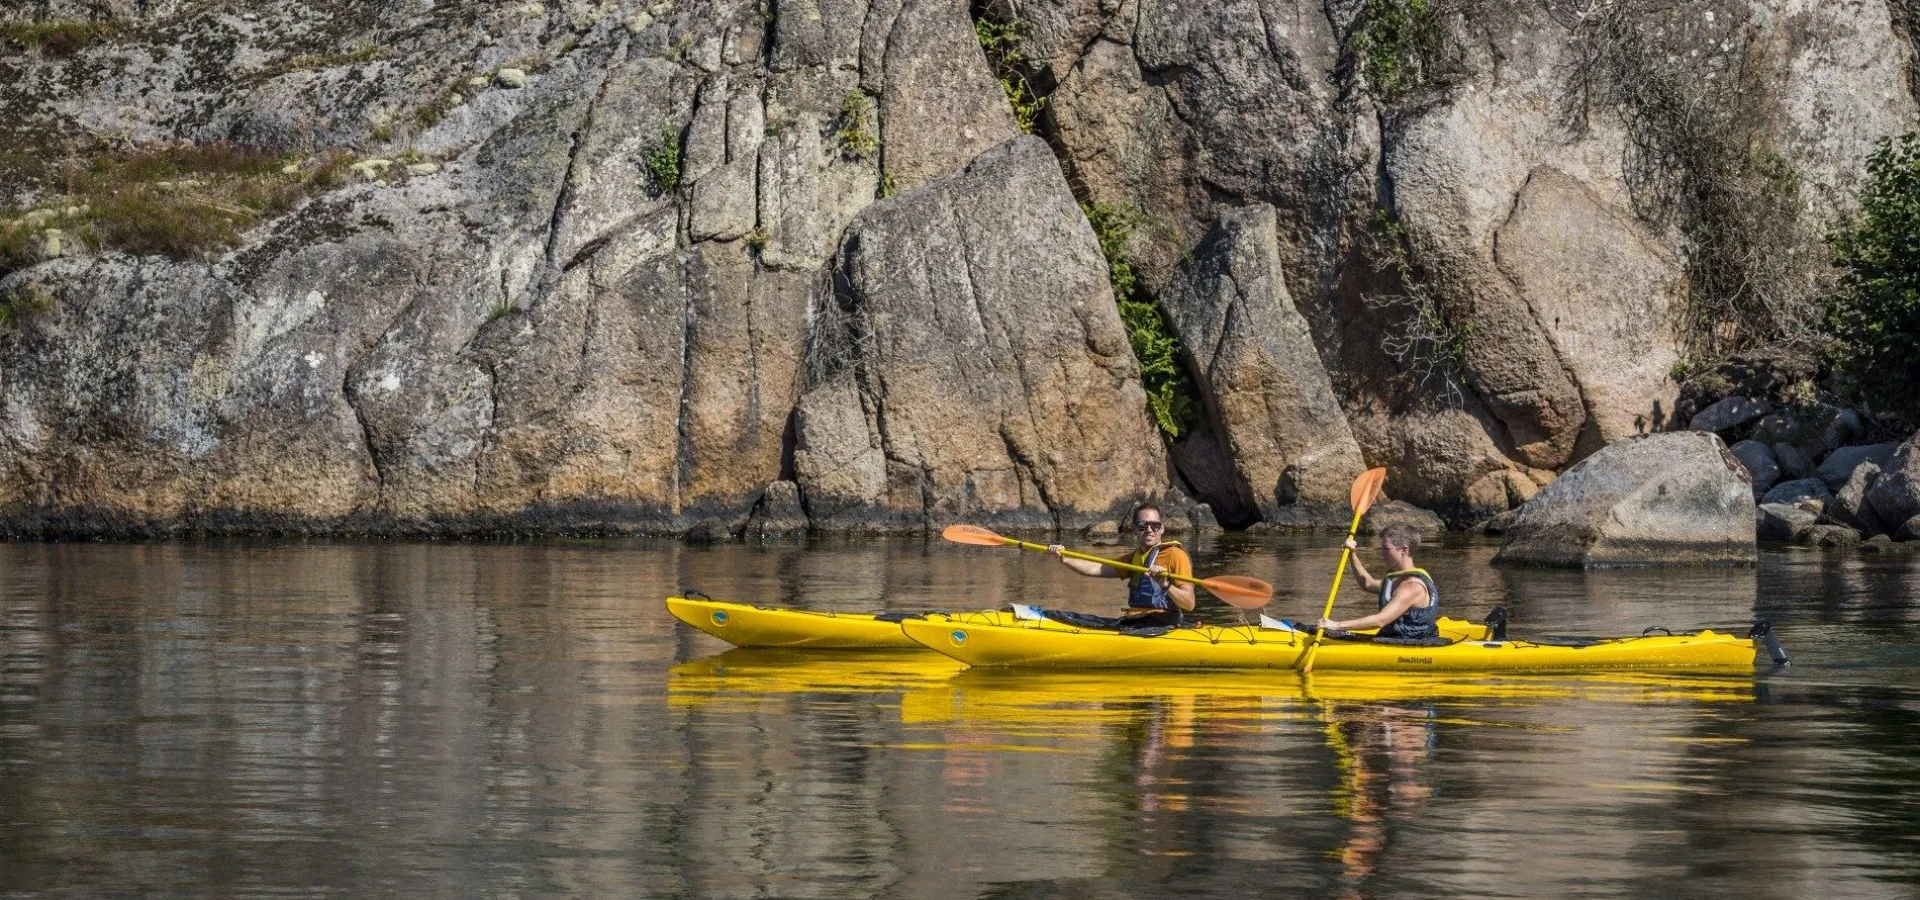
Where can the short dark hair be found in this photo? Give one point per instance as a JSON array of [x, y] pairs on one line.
[[1401, 535], [1135, 515]]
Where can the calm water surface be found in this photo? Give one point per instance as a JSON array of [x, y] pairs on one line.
[[525, 720]]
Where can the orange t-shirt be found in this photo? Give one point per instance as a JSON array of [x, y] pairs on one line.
[[1171, 557]]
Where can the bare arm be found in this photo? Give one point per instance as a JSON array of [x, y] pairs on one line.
[[1366, 580], [1083, 566], [1408, 594], [1181, 592]]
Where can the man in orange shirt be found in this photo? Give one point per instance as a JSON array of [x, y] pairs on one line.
[[1154, 602]]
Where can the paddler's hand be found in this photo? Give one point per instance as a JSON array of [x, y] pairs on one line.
[[1327, 625], [1352, 544], [1157, 570], [1056, 550]]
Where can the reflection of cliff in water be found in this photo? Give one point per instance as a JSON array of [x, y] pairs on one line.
[[525, 719]]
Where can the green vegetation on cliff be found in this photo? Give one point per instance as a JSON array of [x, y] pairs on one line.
[[1391, 41], [1424, 340], [662, 159], [1875, 316], [1170, 391], [56, 37], [177, 200], [1002, 43], [1699, 109], [859, 135]]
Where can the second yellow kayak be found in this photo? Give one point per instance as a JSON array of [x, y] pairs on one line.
[[1022, 644]]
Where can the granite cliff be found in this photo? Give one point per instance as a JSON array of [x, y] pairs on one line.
[[621, 266]]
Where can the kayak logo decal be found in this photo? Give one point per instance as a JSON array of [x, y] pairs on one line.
[[720, 617], [1419, 660], [958, 636]]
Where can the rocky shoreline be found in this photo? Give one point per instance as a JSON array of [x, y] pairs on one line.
[[724, 268]]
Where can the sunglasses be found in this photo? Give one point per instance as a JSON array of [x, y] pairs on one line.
[[1149, 526]]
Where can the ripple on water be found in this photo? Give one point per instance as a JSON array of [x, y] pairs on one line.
[[257, 719]]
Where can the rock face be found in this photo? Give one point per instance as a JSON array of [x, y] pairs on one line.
[[940, 105], [1665, 499], [953, 395], [1266, 393], [618, 266]]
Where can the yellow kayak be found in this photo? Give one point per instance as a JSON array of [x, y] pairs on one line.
[[743, 625], [1022, 644]]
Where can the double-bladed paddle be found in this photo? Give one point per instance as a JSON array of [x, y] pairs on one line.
[[1366, 489], [1234, 590]]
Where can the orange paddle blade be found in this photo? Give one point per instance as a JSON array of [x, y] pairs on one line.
[[1239, 590], [1366, 489], [972, 534]]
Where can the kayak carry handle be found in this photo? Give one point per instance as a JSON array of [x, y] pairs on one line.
[[1660, 628], [1763, 632], [692, 594], [1496, 623]]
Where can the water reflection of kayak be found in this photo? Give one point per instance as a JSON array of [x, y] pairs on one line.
[[1044, 699], [935, 688], [1043, 687], [1018, 644], [745, 625], [743, 672]]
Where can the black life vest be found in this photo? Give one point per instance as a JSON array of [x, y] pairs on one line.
[[1419, 622], [1143, 592]]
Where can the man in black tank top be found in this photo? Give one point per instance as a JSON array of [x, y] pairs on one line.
[[1409, 601]]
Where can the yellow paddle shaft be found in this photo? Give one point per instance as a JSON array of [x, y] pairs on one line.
[[1346, 554], [1124, 567]]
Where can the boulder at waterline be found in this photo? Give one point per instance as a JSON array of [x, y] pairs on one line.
[[1678, 498], [1400, 512], [1850, 506], [1909, 531], [1829, 536], [1880, 543], [1896, 495], [778, 514], [1780, 522], [710, 530]]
